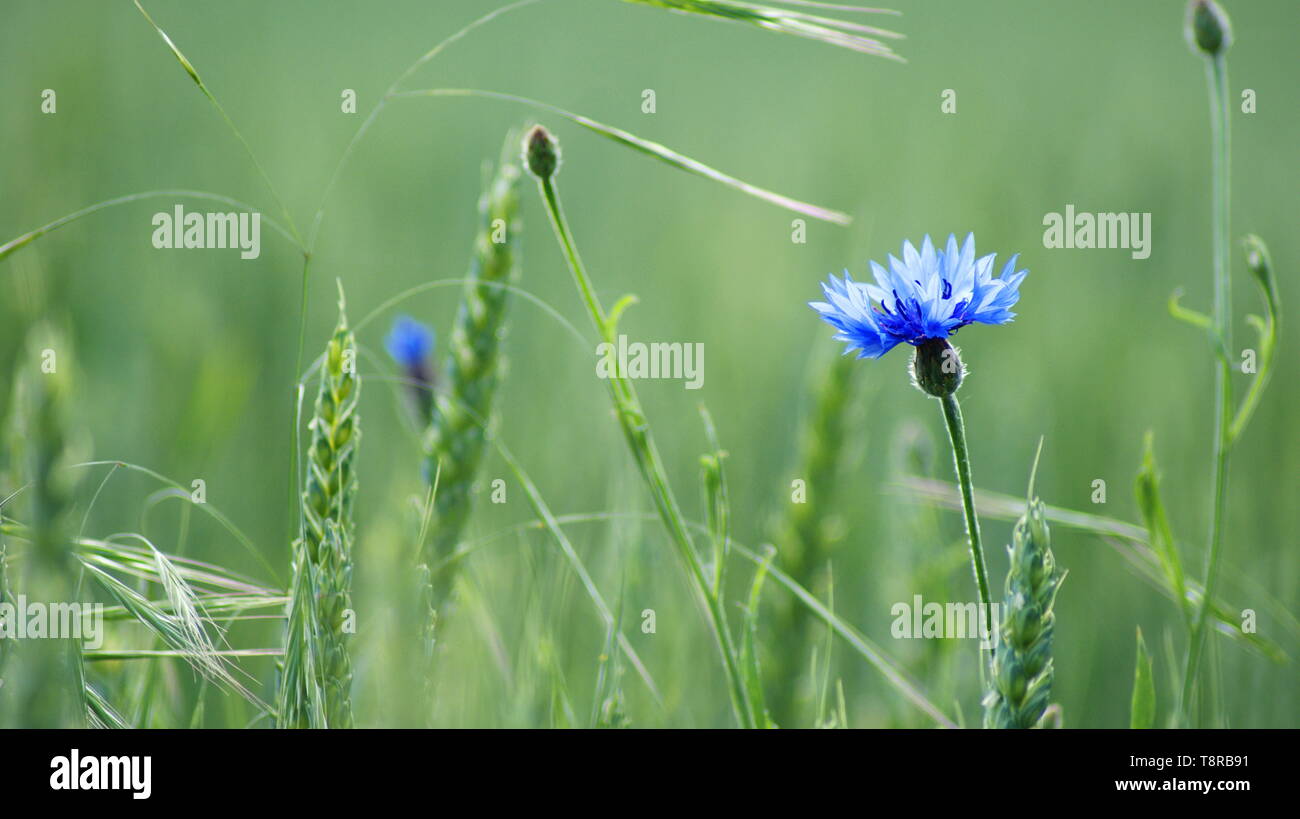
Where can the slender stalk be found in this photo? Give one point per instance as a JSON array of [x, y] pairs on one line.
[[1217, 80], [295, 464], [957, 434], [637, 431]]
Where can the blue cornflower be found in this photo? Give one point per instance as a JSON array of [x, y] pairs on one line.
[[928, 295], [409, 343]]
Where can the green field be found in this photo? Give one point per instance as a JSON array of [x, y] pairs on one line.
[[183, 361]]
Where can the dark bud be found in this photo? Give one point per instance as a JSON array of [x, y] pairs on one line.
[[1258, 262], [541, 153], [936, 368], [1208, 29]]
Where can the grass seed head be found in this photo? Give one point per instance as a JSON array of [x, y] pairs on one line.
[[1022, 665]]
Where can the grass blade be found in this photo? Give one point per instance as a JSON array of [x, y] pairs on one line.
[[649, 148], [867, 649], [1159, 533], [31, 236], [1143, 710], [796, 23]]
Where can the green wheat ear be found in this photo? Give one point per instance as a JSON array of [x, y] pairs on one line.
[[802, 531], [43, 678], [455, 439], [317, 677], [1021, 682]]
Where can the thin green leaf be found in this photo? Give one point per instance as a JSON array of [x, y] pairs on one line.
[[1159, 533], [1143, 714], [31, 236], [717, 507], [653, 149], [830, 31], [1192, 317]]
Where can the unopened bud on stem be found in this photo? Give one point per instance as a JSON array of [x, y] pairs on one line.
[[1257, 260], [541, 153], [1208, 29]]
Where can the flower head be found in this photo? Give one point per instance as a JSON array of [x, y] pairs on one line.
[[929, 294], [409, 342]]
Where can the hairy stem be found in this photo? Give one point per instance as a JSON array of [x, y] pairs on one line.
[[957, 433]]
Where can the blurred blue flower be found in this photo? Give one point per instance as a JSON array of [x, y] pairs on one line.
[[928, 295], [409, 342]]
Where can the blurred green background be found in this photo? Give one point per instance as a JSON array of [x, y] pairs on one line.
[[185, 358]]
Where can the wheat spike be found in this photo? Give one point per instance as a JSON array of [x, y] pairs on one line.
[[317, 678], [1021, 681]]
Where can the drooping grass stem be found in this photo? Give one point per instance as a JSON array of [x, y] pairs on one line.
[[637, 431], [961, 456], [1216, 72]]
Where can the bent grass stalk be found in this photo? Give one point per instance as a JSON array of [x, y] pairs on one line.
[[828, 30], [764, 17], [1260, 264], [194, 75], [652, 149], [542, 157], [297, 239], [27, 238]]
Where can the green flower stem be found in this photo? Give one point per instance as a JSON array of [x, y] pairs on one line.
[[637, 430], [1217, 80], [957, 433]]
